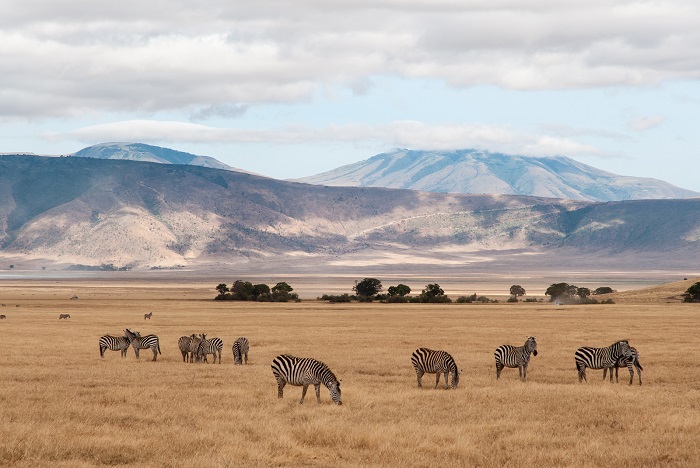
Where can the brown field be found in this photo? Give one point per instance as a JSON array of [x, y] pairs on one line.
[[62, 405]]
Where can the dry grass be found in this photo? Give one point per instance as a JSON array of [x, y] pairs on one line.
[[62, 405]]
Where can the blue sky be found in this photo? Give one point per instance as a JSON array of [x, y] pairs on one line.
[[290, 89]]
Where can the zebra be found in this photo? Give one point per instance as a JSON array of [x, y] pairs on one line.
[[194, 344], [209, 346], [184, 344], [428, 361], [115, 343], [3, 316], [139, 342], [148, 316], [303, 372], [63, 316], [512, 356], [240, 350], [622, 362], [601, 358]]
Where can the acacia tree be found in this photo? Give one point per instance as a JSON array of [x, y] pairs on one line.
[[560, 291], [368, 287], [692, 294], [398, 290], [583, 293], [517, 290], [222, 289], [603, 290], [433, 293]]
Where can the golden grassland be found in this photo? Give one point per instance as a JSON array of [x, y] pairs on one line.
[[63, 405]]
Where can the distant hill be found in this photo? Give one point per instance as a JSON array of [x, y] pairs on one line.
[[149, 153], [472, 171], [93, 211]]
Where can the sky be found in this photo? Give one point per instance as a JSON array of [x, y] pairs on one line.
[[293, 88]]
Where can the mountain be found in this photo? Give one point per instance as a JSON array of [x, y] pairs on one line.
[[472, 171], [149, 153], [93, 211]]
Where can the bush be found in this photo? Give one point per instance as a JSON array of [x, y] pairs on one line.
[[533, 299], [339, 298], [607, 301], [464, 300], [512, 299], [397, 299]]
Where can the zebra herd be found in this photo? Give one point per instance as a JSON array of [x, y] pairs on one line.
[[194, 348], [292, 370]]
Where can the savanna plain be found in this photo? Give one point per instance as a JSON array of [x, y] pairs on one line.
[[63, 405]]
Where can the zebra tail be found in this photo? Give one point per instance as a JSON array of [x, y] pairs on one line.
[[159, 348], [638, 364], [578, 366]]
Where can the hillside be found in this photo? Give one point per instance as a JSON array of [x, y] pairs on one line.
[[472, 171], [149, 153], [93, 211], [663, 293]]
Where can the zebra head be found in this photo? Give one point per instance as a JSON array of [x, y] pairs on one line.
[[531, 345], [456, 372], [334, 389], [623, 348]]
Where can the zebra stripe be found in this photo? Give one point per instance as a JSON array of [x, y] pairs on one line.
[[184, 344], [512, 356], [139, 342], [240, 348], [209, 346], [623, 362], [115, 343], [600, 358], [428, 361], [303, 372]]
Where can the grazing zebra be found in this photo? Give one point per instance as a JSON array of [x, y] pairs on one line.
[[622, 362], [209, 346], [428, 361], [63, 316], [2, 317], [148, 316], [303, 372], [601, 358], [143, 342], [184, 344], [512, 356], [115, 343], [240, 349]]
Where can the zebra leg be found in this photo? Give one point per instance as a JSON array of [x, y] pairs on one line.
[[639, 374], [136, 350], [102, 352], [219, 357], [303, 392], [280, 388], [155, 354], [447, 373], [525, 373], [520, 372], [617, 375], [419, 374], [437, 379], [629, 366], [605, 372], [246, 358], [318, 392], [499, 368]]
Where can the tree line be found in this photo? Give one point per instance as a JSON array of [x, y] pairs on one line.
[[246, 291]]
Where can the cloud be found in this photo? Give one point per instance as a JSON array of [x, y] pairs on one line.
[[66, 58], [406, 134], [641, 124]]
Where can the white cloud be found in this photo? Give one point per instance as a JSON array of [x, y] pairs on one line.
[[407, 134], [641, 124], [68, 58]]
